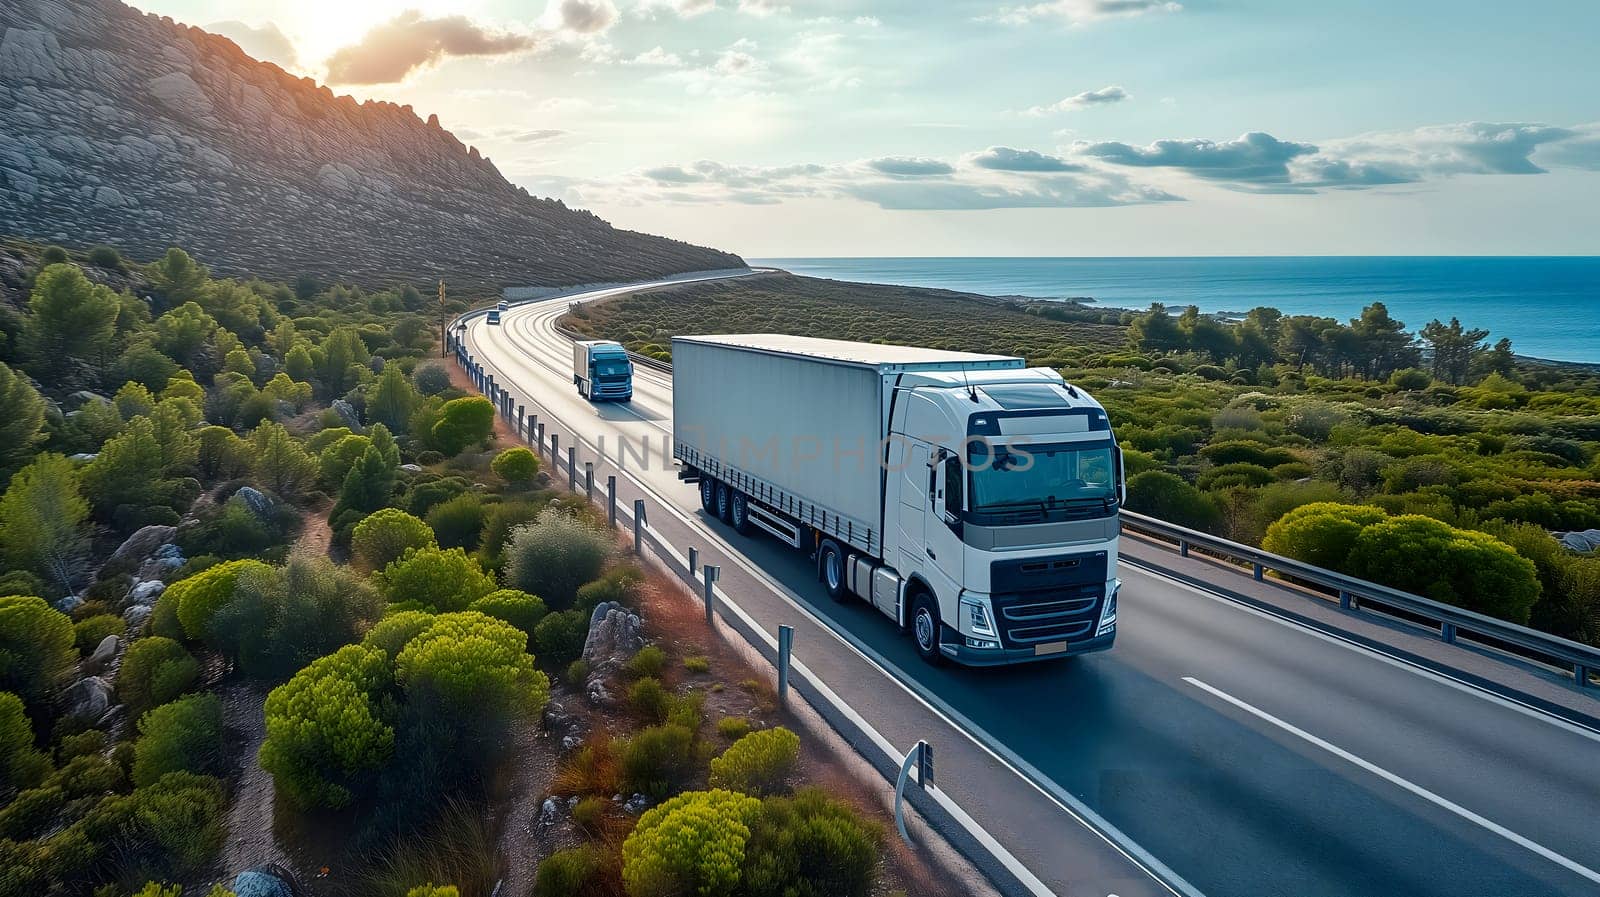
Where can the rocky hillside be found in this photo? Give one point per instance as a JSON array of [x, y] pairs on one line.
[[136, 131]]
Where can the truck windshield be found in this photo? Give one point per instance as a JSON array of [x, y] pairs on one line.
[[1036, 483], [610, 367]]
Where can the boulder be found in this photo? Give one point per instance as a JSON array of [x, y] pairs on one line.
[[254, 499], [550, 812], [263, 882], [615, 635], [88, 700], [104, 653], [144, 593], [597, 693], [142, 544], [69, 604], [636, 804], [136, 616], [1582, 542], [347, 414], [84, 396]]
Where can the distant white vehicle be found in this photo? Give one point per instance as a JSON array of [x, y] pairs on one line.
[[494, 316], [503, 305]]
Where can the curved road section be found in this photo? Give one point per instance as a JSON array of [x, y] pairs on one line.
[[1216, 750]]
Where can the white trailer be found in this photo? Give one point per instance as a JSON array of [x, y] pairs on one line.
[[971, 499]]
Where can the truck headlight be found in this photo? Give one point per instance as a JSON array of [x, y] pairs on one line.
[[975, 611], [1108, 614]]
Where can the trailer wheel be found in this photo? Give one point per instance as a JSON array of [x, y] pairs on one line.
[[925, 627], [739, 514], [830, 567], [724, 502], [708, 494]]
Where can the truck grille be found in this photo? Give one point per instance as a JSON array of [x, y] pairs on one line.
[[1048, 599]]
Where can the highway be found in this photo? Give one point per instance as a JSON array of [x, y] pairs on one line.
[[1216, 750]]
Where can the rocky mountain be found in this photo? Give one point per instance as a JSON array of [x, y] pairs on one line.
[[133, 130]]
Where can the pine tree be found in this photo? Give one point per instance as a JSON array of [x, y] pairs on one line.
[[41, 520], [73, 319], [393, 400], [281, 464], [21, 421]]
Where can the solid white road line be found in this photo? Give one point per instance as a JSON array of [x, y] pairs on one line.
[[1406, 784]]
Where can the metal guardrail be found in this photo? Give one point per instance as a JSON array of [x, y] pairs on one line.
[[1452, 622], [1579, 660]]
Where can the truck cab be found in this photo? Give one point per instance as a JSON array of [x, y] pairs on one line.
[[1001, 502], [601, 371]]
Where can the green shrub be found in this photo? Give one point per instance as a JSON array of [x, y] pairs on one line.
[[733, 728], [615, 585], [759, 763], [554, 556], [1230, 475], [281, 618], [650, 700], [326, 732], [560, 637], [1462, 567], [200, 596], [648, 661], [458, 523], [183, 736], [810, 846], [104, 257], [589, 814], [476, 665], [436, 579], [89, 632], [1161, 494], [687, 710], [155, 670], [657, 760], [520, 609], [692, 844], [384, 536], [697, 664], [37, 652], [424, 495], [432, 890], [577, 673], [498, 523], [391, 633], [517, 466], [567, 873], [29, 813], [1321, 533], [463, 422], [431, 378], [21, 765]]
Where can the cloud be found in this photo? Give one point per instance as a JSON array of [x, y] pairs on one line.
[[586, 16], [1466, 148], [1080, 12], [762, 8], [1004, 158], [657, 56], [264, 42], [894, 182], [511, 135], [1256, 159], [684, 9], [409, 41], [1105, 96], [909, 167], [1582, 150]]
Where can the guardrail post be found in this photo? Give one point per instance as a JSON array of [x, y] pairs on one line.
[[785, 649], [1447, 631], [694, 560], [572, 468], [555, 451], [1260, 572], [638, 526], [522, 420], [538, 439], [1581, 673], [913, 758], [1344, 600], [588, 480], [1183, 548], [712, 574], [611, 501]]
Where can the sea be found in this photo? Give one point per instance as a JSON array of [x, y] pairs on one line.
[[1548, 306]]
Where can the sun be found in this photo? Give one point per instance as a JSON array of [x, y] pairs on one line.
[[319, 27]]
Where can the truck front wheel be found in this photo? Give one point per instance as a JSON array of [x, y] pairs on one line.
[[925, 627], [830, 566]]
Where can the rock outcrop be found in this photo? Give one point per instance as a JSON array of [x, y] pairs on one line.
[[140, 132]]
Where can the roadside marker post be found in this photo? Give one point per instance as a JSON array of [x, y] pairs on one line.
[[588, 480], [785, 649], [921, 757], [638, 526], [694, 560], [611, 500], [572, 468], [712, 574], [555, 449]]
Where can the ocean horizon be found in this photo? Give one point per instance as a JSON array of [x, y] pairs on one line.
[[1548, 306]]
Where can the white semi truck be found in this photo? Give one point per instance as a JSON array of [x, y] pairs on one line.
[[601, 370], [971, 499]]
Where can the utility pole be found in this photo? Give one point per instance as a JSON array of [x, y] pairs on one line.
[[444, 337]]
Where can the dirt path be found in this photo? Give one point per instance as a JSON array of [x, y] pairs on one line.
[[250, 838], [316, 537]]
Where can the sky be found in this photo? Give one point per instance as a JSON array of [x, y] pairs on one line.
[[784, 128]]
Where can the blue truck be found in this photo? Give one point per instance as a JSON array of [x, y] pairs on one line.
[[601, 371]]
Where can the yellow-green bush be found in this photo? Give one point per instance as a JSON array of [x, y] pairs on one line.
[[758, 763], [198, 597], [692, 844]]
